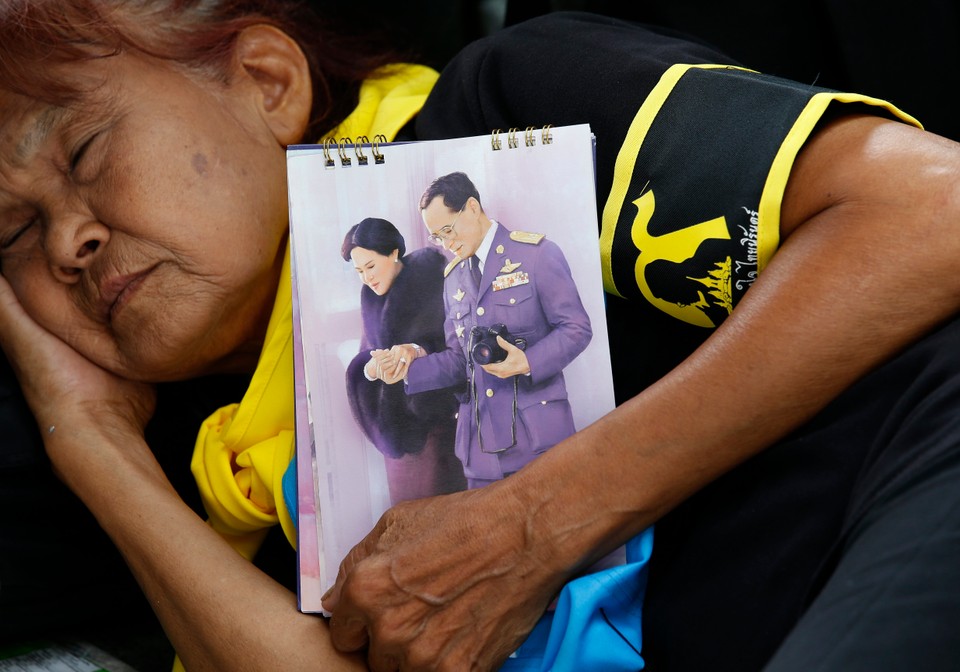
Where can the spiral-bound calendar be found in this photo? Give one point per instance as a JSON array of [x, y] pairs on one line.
[[448, 320]]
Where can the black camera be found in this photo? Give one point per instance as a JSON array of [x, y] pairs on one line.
[[486, 350]]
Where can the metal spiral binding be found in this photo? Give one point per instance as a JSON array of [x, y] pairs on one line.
[[342, 151], [375, 147], [327, 159], [358, 149], [529, 139]]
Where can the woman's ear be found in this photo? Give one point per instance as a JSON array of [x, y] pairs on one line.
[[274, 65]]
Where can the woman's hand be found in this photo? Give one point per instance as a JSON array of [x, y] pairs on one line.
[[445, 583], [67, 392], [219, 610], [381, 363], [390, 365]]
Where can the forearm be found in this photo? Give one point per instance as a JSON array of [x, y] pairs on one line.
[[219, 611], [870, 222], [861, 277], [436, 371], [570, 330]]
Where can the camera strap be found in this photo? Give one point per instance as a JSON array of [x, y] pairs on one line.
[[472, 391], [476, 413]]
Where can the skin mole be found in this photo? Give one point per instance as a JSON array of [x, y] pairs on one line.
[[200, 163]]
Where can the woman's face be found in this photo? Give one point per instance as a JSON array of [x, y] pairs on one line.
[[145, 226], [377, 271]]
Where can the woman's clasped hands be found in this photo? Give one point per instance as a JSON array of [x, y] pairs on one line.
[[390, 364]]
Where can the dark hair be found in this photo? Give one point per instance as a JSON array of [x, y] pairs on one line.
[[374, 234], [38, 35], [455, 188]]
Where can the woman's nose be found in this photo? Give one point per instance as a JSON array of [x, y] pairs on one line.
[[72, 243]]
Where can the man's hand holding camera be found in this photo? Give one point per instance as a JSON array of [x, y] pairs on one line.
[[514, 364], [498, 352]]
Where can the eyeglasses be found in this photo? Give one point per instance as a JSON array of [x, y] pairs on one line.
[[445, 232]]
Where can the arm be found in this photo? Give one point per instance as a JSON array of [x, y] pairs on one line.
[[871, 224], [437, 370], [219, 611], [568, 325]]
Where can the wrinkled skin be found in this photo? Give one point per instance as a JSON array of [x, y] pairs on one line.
[[413, 615], [108, 234]]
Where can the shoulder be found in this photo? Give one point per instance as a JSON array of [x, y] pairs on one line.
[[422, 271], [452, 267], [530, 71], [552, 33], [530, 243], [527, 237], [426, 260]]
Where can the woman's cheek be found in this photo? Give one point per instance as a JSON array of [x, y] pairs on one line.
[[33, 284]]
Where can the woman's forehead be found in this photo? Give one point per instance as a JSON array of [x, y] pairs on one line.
[[364, 253], [27, 124]]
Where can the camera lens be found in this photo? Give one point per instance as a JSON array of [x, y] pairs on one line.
[[482, 353]]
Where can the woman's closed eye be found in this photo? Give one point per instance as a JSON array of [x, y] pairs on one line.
[[77, 163], [9, 237]]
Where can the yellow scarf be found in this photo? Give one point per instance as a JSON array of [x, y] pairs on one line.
[[243, 450]]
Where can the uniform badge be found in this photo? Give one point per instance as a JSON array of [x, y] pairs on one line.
[[510, 267], [459, 295], [499, 249], [510, 280], [526, 237], [459, 331]]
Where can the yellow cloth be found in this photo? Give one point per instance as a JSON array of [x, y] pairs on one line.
[[243, 450]]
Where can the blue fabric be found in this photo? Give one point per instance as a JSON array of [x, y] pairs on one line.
[[289, 485], [596, 624]]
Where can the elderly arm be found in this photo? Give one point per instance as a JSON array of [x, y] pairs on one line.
[[871, 224], [220, 611]]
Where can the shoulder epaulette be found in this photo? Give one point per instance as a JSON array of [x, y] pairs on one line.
[[452, 265], [526, 237]]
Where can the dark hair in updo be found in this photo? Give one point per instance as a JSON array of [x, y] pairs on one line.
[[374, 234]]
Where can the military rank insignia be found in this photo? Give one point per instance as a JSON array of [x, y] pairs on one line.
[[526, 237], [510, 266], [510, 280]]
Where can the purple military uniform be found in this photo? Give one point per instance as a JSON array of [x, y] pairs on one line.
[[527, 286]]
